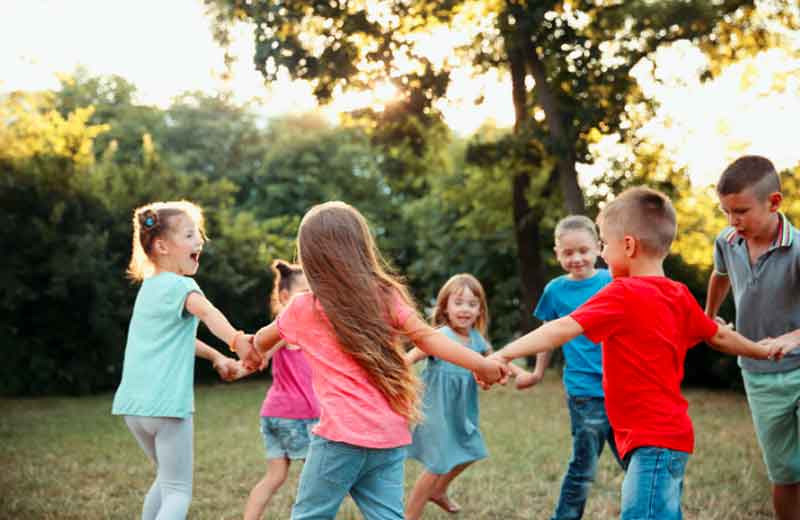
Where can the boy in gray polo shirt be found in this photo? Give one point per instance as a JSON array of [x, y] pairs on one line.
[[758, 256]]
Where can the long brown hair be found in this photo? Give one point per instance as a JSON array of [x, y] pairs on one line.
[[284, 274], [356, 288], [455, 284], [152, 221]]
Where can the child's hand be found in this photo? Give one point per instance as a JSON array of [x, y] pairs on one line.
[[491, 371], [780, 346], [227, 368], [247, 352], [528, 380]]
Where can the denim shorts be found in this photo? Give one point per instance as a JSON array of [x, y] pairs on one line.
[[286, 438], [773, 399], [653, 484], [372, 476]]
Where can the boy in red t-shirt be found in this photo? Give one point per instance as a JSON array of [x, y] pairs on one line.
[[646, 323]]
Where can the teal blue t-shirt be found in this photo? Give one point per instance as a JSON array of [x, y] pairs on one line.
[[158, 372], [583, 367]]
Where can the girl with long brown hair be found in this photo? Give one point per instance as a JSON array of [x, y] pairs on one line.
[[350, 327]]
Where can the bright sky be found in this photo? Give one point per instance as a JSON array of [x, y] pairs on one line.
[[166, 47]]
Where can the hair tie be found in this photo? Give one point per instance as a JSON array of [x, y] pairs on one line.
[[148, 222]]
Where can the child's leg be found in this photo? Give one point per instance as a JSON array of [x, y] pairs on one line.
[[378, 491], [331, 469], [590, 430], [260, 495], [167, 442], [439, 495], [420, 494], [653, 484]]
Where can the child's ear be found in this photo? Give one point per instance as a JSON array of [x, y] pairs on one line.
[[160, 246], [775, 199], [283, 296], [629, 245]]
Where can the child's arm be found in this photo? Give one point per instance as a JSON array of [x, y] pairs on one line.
[[718, 287], [530, 379], [549, 336], [216, 322], [267, 341], [729, 341], [414, 355], [785, 343], [435, 343], [225, 366]]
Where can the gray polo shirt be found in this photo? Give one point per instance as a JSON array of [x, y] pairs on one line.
[[767, 294]]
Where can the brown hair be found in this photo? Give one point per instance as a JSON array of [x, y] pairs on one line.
[[152, 221], [749, 171], [456, 284], [645, 214], [284, 275], [575, 223], [348, 276]]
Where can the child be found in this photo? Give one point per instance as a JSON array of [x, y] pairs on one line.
[[577, 249], [349, 328], [290, 408], [155, 395], [646, 323], [449, 439], [758, 256]]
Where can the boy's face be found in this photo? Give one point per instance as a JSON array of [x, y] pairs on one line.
[[577, 252], [613, 250], [751, 215]]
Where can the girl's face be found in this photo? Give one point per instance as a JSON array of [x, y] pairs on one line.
[[299, 285], [180, 247], [577, 252], [463, 309]]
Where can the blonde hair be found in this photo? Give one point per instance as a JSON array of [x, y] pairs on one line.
[[575, 223], [284, 274], [455, 284], [152, 221], [645, 214], [348, 276]]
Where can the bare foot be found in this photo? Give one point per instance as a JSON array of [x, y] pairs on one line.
[[445, 503]]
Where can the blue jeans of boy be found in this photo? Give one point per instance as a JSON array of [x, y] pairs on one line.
[[653, 484], [590, 432], [372, 476]]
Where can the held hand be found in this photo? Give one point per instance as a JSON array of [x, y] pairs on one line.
[[227, 368], [492, 371], [528, 380], [779, 347], [250, 357]]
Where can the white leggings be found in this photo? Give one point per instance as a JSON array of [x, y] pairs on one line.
[[167, 441]]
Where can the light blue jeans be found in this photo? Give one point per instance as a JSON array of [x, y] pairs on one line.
[[372, 476], [590, 432], [653, 484]]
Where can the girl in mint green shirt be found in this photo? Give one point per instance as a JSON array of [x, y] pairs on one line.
[[156, 395]]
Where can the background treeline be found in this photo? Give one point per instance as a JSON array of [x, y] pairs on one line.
[[76, 161]]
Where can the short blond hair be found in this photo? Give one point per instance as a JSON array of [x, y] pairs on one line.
[[645, 214]]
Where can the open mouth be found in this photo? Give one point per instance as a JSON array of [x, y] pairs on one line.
[[195, 257]]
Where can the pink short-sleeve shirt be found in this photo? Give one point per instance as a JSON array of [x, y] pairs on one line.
[[353, 410]]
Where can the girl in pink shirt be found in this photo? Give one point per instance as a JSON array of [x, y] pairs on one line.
[[349, 327], [290, 407]]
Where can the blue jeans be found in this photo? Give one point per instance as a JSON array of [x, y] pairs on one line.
[[653, 484], [372, 476], [590, 432]]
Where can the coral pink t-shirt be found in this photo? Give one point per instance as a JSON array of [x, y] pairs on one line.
[[353, 410], [646, 325], [290, 396]]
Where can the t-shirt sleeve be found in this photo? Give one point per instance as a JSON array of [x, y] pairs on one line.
[[481, 343], [699, 327], [603, 313], [545, 308], [719, 258], [400, 311], [287, 321], [181, 291]]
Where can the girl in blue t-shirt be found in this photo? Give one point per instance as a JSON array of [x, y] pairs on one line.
[[449, 440], [577, 248], [155, 395]]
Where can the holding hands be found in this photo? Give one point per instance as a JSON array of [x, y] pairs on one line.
[[780, 346]]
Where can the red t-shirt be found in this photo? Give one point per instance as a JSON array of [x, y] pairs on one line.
[[646, 324]]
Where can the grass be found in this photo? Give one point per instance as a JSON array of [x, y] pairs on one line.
[[64, 458]]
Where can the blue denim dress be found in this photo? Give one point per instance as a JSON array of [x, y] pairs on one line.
[[449, 434]]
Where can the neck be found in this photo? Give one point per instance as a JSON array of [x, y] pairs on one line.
[[646, 266], [460, 331], [591, 273]]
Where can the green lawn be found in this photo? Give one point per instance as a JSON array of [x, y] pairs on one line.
[[70, 459]]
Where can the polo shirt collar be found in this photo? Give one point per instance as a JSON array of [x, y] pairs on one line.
[[783, 239]]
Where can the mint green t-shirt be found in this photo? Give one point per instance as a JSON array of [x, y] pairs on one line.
[[158, 372]]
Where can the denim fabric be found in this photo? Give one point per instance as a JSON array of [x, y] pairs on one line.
[[372, 476], [590, 432], [653, 484], [286, 438], [774, 400]]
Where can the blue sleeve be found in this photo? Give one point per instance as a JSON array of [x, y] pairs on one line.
[[545, 308], [481, 345], [719, 257], [181, 291]]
